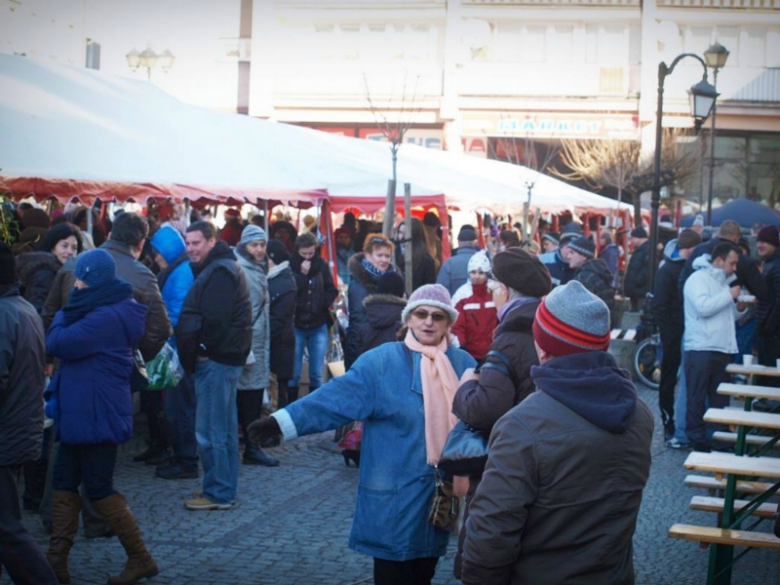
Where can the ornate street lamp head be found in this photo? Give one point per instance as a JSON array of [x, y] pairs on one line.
[[716, 56], [133, 59], [702, 97]]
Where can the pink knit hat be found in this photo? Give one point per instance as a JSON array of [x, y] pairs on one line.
[[431, 295]]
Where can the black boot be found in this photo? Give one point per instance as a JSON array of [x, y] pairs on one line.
[[34, 483], [254, 455]]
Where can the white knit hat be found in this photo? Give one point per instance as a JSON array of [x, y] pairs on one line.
[[479, 261], [430, 295]]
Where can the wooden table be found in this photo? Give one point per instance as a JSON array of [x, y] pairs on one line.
[[752, 370], [749, 391], [746, 421], [735, 467]]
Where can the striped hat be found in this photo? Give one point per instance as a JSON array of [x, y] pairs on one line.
[[583, 246], [571, 320]]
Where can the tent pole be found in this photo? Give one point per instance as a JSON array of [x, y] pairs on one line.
[[408, 237], [265, 214], [89, 220]]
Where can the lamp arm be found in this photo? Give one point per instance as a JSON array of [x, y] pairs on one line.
[[667, 70]]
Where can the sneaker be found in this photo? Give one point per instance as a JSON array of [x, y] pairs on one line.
[[199, 494], [203, 503], [175, 471], [675, 443]]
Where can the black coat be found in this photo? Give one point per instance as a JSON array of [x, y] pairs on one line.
[[316, 292], [636, 283], [768, 310], [216, 318], [596, 276], [422, 274], [37, 271], [282, 295], [747, 270], [22, 360], [384, 320], [667, 304]]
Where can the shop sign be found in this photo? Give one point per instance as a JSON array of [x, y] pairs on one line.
[[555, 125], [427, 138]]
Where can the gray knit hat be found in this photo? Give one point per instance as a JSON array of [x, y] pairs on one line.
[[432, 295], [571, 319], [252, 233], [583, 246]]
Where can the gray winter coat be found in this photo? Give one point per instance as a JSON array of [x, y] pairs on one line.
[[256, 375], [454, 273], [22, 360]]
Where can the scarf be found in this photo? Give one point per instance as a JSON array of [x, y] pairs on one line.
[[83, 301], [439, 384], [514, 304], [373, 270], [276, 270]]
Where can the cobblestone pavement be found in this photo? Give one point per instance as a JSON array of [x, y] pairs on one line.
[[292, 522]]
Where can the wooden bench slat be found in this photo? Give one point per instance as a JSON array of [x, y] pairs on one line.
[[727, 416], [757, 440], [709, 504], [711, 483], [720, 536], [726, 463], [753, 370], [746, 390]]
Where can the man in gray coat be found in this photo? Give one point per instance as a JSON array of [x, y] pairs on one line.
[[22, 361], [454, 273], [566, 467]]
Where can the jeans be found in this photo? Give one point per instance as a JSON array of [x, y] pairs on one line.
[[91, 464], [180, 415], [216, 428], [19, 553], [316, 341], [704, 371]]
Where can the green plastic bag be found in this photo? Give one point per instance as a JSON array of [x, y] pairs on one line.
[[164, 371]]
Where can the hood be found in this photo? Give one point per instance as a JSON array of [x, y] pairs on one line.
[[31, 262], [383, 311], [591, 385], [133, 315], [219, 252], [11, 290], [359, 273], [169, 243], [672, 252], [520, 317], [704, 263]]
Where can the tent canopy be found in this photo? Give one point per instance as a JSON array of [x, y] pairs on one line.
[[745, 212]]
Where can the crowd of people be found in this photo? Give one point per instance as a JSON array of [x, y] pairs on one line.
[[512, 340]]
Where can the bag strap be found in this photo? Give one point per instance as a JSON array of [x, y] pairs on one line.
[[502, 364]]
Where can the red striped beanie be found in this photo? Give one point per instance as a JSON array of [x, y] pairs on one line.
[[571, 319]]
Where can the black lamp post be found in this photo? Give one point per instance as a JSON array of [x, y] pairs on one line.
[[716, 57], [702, 96]]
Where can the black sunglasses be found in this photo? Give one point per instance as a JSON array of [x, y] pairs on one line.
[[422, 315]]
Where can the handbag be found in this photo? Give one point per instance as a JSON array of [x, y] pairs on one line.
[[164, 371], [465, 452], [445, 506]]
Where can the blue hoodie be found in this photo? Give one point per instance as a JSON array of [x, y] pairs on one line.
[[176, 280], [591, 385]]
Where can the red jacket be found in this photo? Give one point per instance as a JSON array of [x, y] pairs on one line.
[[477, 319]]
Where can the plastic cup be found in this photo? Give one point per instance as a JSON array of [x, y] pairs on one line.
[[747, 360], [778, 364]]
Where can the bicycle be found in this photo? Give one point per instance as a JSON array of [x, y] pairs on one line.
[[648, 353]]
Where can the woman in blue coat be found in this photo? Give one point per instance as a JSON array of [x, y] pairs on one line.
[[403, 394], [91, 403]]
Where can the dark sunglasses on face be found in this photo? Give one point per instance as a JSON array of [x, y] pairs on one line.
[[422, 315]]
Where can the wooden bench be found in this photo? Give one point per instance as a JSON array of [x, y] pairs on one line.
[[712, 484], [707, 504], [755, 440], [752, 370], [748, 391], [707, 535], [727, 416], [723, 463]]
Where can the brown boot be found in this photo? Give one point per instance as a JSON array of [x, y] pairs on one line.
[[118, 516], [65, 508]]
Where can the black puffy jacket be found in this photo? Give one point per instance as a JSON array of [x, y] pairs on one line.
[[768, 309], [596, 276], [216, 318], [316, 292], [282, 293], [636, 283]]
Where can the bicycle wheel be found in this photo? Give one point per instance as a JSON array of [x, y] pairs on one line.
[[647, 362]]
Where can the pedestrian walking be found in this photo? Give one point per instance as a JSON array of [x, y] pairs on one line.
[[768, 311], [636, 283], [214, 338], [22, 361], [454, 273], [477, 314], [90, 401], [283, 293], [403, 392], [551, 510]]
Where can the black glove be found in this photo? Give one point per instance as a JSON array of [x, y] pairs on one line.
[[263, 429]]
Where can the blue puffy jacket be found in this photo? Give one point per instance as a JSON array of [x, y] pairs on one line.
[[176, 280], [92, 386]]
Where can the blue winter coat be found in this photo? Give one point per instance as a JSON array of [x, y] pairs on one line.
[[396, 483], [92, 385], [176, 283]]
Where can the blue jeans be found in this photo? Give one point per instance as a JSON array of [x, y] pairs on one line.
[[316, 342], [681, 404], [91, 464], [180, 415], [216, 428]]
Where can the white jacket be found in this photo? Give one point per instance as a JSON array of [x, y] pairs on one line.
[[710, 311]]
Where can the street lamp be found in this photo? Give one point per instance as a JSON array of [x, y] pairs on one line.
[[147, 59], [716, 57], [702, 98]]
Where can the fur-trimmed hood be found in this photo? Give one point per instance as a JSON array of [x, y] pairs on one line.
[[383, 299], [358, 272], [31, 262], [384, 311]]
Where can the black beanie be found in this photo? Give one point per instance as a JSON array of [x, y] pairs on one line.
[[277, 251], [7, 265]]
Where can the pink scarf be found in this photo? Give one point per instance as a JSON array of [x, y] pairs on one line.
[[439, 384]]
